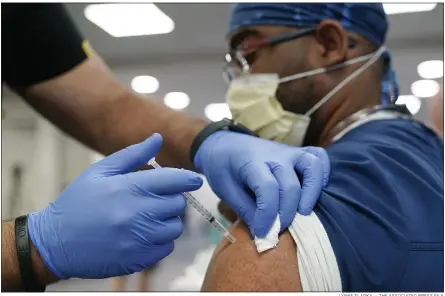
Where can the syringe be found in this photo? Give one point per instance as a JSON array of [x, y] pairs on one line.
[[201, 209]]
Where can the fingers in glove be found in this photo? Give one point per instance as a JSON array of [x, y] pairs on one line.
[[167, 231], [155, 253], [238, 200], [262, 182], [164, 181], [130, 158], [325, 161], [165, 206], [289, 192], [311, 168]]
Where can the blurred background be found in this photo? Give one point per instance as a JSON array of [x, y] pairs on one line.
[[176, 59]]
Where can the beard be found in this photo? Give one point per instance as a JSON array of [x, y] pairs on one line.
[[299, 99], [295, 98]]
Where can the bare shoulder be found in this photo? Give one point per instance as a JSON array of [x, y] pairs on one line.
[[239, 267]]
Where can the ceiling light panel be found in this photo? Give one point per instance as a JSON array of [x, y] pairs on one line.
[[145, 84], [177, 100], [218, 111], [412, 103], [430, 69], [124, 20], [425, 88]]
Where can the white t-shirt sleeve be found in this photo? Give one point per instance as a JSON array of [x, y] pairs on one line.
[[317, 263]]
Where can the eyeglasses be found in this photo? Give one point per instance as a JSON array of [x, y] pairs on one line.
[[238, 61]]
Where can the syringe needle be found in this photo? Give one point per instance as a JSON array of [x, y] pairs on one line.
[[201, 209], [223, 230]]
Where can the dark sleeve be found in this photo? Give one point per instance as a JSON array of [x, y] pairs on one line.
[[39, 42], [383, 207]]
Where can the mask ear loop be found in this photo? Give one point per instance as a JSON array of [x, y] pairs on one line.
[[372, 60], [324, 70]]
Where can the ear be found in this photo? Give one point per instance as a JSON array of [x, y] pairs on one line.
[[333, 39]]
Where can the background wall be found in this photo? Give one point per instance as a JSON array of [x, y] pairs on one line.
[[201, 79]]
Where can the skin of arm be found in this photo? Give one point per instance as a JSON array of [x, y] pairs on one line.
[[11, 280], [89, 104], [436, 111], [239, 268]]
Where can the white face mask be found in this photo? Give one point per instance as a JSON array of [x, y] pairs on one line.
[[252, 100]]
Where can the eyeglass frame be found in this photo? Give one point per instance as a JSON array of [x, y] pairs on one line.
[[240, 56]]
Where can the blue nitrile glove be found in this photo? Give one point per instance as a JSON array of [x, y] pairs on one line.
[[111, 221], [233, 162]]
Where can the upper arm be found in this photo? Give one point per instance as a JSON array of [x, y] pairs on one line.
[[239, 267], [49, 63], [39, 42], [47, 60]]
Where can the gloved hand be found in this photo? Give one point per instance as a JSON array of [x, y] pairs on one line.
[[111, 221], [234, 162]]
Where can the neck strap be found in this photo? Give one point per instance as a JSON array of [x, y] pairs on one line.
[[368, 114]]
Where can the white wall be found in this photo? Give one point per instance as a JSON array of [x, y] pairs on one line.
[[50, 159], [15, 151]]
